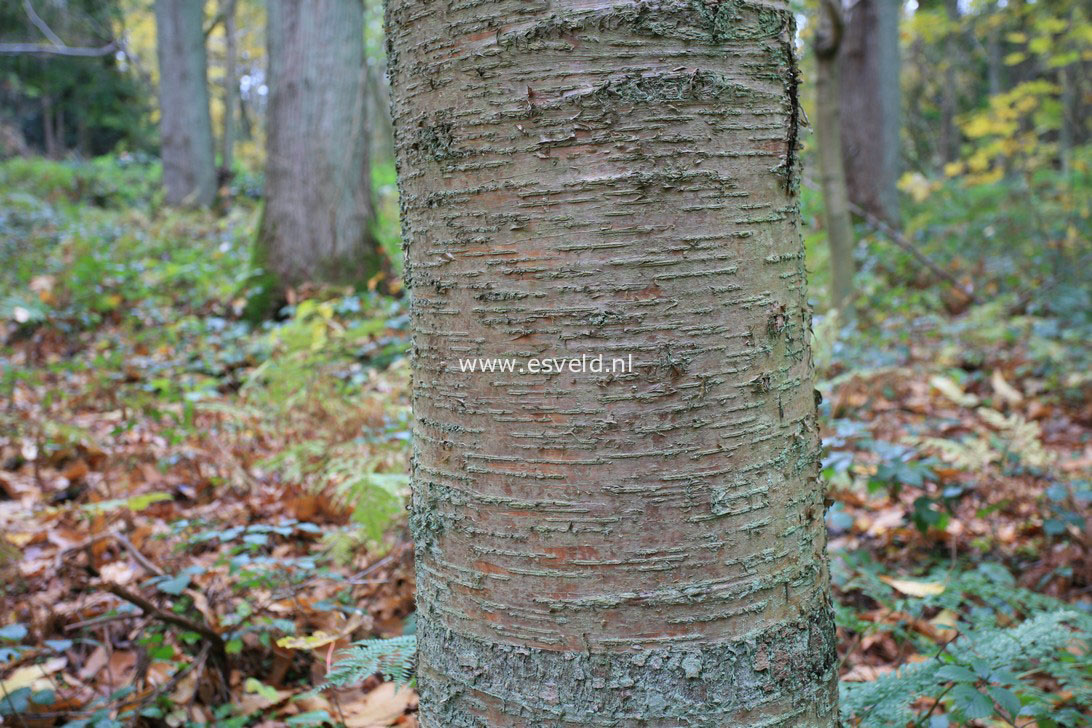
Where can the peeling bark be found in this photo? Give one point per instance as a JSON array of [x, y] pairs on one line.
[[638, 549]]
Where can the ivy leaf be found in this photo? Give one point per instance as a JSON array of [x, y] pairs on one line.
[[15, 702], [13, 632], [175, 585]]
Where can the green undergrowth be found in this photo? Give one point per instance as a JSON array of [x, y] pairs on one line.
[[109, 300], [999, 652], [144, 303]]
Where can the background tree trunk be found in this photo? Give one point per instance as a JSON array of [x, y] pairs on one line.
[[318, 207], [949, 133], [594, 549], [994, 63], [832, 175], [379, 114], [231, 87], [870, 106], [189, 168], [48, 133]]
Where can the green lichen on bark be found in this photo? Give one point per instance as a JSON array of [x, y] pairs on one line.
[[739, 20], [642, 548], [780, 677]]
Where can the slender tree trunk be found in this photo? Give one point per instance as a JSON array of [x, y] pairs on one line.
[[994, 63], [189, 168], [83, 136], [832, 175], [58, 131], [1065, 132], [595, 548], [379, 114], [231, 87], [949, 134], [246, 127], [870, 106], [318, 209], [48, 136]]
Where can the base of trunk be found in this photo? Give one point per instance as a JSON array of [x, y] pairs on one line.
[[783, 676]]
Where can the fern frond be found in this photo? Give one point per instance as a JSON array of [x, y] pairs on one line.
[[887, 700], [394, 658]]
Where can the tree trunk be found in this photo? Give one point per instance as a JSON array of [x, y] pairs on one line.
[[870, 106], [318, 208], [189, 169], [231, 88], [949, 134], [994, 63], [635, 548], [1065, 131], [379, 113], [832, 175], [48, 135]]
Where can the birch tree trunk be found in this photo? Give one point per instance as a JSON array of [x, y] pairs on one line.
[[639, 548], [870, 106], [832, 174], [185, 128], [318, 207]]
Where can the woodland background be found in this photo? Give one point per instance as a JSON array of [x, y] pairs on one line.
[[204, 456]]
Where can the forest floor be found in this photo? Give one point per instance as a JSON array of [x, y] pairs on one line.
[[196, 514]]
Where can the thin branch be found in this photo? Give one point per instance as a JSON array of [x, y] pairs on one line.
[[98, 620], [9, 701], [56, 46], [41, 49], [215, 641], [900, 240], [936, 702], [135, 553], [215, 22], [176, 619], [41, 24], [176, 678]]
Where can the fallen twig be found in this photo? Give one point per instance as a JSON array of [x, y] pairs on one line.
[[215, 641], [176, 619], [135, 553]]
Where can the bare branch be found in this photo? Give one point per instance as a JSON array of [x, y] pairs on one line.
[[212, 26], [41, 49], [900, 240], [41, 24], [177, 619], [56, 46]]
